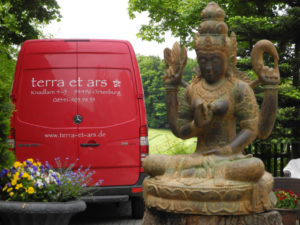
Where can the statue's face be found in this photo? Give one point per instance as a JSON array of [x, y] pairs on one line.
[[213, 66]]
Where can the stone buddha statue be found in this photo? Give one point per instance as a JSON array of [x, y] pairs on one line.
[[218, 179]]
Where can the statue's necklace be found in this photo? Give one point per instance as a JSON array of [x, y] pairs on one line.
[[210, 94]]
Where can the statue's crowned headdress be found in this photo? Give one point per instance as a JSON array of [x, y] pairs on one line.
[[213, 32]]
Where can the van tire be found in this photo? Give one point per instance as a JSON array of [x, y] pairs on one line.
[[137, 207]]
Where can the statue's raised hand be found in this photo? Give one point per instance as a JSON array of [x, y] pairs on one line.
[[266, 75], [175, 60], [203, 113], [269, 76]]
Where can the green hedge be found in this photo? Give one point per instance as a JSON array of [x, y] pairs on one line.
[[7, 66]]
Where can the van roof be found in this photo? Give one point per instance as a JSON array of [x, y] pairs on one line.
[[77, 45]]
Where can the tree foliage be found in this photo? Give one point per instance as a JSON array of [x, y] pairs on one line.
[[20, 19], [152, 70], [6, 71], [254, 18], [179, 17]]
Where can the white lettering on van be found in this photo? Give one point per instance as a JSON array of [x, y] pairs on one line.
[[79, 82], [76, 83], [117, 83], [101, 134], [103, 83], [73, 83], [90, 83], [96, 83], [43, 92], [47, 83], [60, 83], [40, 83]]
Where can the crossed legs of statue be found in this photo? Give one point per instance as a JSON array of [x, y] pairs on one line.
[[235, 167]]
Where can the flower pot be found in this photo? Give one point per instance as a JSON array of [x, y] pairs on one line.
[[39, 213], [289, 216]]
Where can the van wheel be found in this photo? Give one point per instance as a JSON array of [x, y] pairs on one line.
[[137, 207]]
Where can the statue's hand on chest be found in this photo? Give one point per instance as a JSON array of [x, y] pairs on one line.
[[204, 112]]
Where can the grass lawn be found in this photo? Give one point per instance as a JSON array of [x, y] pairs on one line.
[[163, 141]]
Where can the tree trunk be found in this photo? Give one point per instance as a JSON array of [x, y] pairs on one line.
[[296, 75], [296, 83]]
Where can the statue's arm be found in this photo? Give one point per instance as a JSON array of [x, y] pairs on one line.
[[269, 78], [179, 114], [242, 140], [268, 111], [246, 111], [264, 120]]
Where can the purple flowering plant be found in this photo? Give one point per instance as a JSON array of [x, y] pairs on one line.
[[32, 181]]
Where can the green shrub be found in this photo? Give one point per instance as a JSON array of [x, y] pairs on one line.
[[7, 66]]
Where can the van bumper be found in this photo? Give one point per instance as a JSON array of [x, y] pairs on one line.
[[115, 193]]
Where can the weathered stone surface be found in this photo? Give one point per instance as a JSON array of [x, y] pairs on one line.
[[207, 199], [155, 217]]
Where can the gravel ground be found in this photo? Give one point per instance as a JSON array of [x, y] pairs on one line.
[[106, 214]]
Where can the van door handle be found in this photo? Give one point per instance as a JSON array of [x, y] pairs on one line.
[[89, 145]]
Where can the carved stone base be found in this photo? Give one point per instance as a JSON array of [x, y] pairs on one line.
[[156, 217], [207, 198]]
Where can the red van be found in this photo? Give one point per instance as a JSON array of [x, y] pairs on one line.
[[83, 100]]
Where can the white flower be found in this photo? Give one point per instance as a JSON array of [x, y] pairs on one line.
[[39, 183], [52, 180], [47, 179]]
